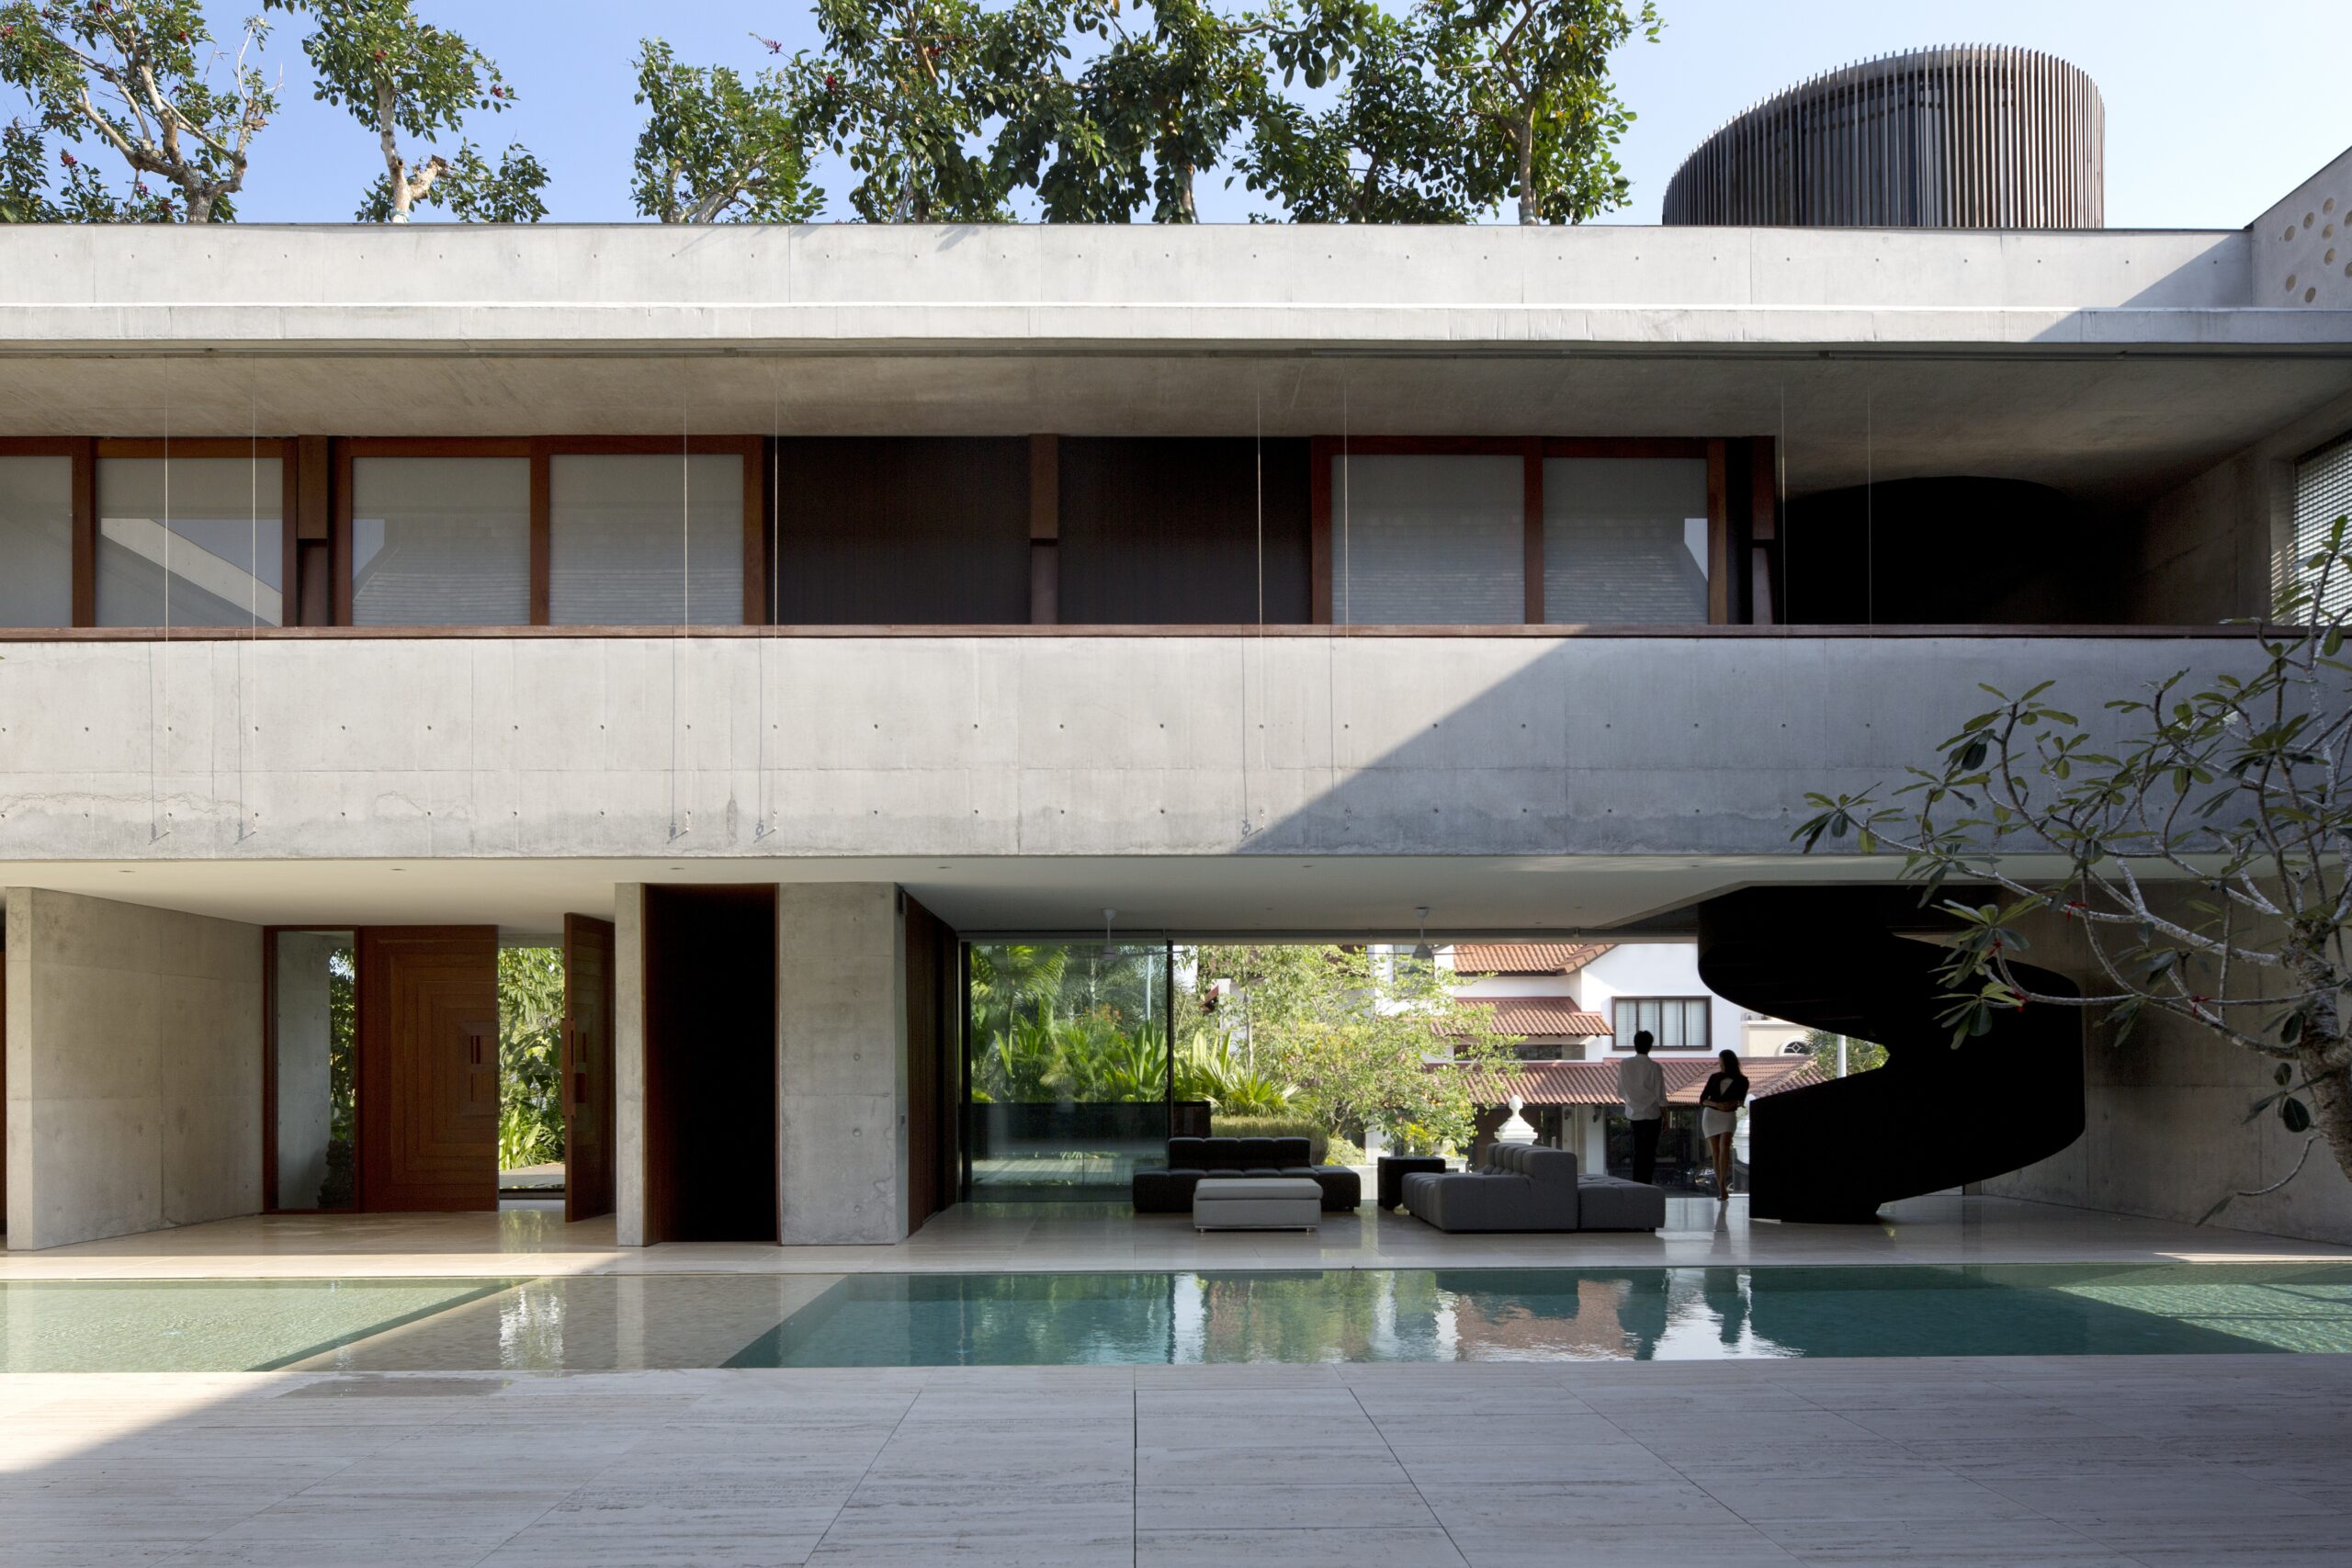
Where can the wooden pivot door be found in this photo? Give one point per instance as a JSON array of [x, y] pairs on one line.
[[588, 1136], [428, 1067]]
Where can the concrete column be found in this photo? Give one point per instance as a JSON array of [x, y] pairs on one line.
[[841, 1073], [628, 1064], [134, 1068]]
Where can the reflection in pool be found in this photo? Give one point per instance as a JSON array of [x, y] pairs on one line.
[[1560, 1314]]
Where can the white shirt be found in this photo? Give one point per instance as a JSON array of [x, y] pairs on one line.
[[1641, 1084]]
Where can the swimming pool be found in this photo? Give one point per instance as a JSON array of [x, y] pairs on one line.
[[621, 1322]]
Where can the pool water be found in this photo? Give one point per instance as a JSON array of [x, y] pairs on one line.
[[626, 1322]]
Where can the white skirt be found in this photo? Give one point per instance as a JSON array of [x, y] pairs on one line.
[[1714, 1124]]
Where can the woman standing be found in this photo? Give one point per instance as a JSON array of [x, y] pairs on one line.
[[1719, 1105]]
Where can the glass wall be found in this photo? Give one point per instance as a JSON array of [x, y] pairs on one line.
[[615, 556], [316, 1101], [36, 541], [1068, 1073], [1625, 541], [440, 541], [190, 541], [1437, 541]]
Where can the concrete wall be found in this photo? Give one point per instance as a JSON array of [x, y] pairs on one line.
[[504, 748], [628, 1064], [840, 1025], [2301, 257], [134, 1068]]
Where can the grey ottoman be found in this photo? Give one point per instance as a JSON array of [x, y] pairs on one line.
[[1611, 1203], [1257, 1203]]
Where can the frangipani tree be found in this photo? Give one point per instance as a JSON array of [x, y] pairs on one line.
[[400, 75], [718, 146], [2207, 854], [142, 78]]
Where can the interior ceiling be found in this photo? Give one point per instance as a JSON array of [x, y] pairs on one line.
[[2112, 427], [1232, 895]]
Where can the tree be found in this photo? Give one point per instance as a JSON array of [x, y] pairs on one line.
[[1860, 1055], [2207, 852], [1533, 75], [899, 91], [717, 147], [530, 1057], [1353, 1032], [136, 75], [398, 75]]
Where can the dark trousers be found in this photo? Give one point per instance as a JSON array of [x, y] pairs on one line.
[[1646, 1148]]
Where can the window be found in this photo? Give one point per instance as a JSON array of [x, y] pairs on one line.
[[2322, 494], [615, 554], [36, 541], [441, 541], [1679, 1023], [1433, 541], [1625, 541], [190, 541]]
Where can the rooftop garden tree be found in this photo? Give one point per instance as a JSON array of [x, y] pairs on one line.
[[2207, 854], [143, 79], [400, 76], [717, 146]]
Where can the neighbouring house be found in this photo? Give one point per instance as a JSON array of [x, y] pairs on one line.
[[1573, 1106]]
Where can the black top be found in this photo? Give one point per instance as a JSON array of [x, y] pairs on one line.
[[1725, 1087]]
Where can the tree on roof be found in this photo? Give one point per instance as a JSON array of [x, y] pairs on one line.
[[400, 76], [143, 79]]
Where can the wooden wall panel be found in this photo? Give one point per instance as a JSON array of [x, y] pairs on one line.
[[589, 1135], [428, 1067], [929, 1064], [1164, 531], [887, 531]]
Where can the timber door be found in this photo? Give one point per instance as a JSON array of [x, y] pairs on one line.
[[587, 1067], [428, 1067]]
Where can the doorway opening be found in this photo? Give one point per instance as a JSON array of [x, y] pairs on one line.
[[531, 1130], [710, 1064]]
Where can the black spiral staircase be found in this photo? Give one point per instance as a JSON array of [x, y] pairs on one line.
[[1847, 960]]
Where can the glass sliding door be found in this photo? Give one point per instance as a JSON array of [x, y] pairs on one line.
[[1068, 1069], [314, 1101]]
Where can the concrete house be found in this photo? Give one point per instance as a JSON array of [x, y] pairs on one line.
[[777, 617]]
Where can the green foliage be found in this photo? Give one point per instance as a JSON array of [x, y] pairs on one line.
[[2200, 828], [340, 1189], [530, 1057], [1862, 1055], [1353, 1033], [717, 147], [1210, 1068], [138, 77], [1318, 1139], [398, 74]]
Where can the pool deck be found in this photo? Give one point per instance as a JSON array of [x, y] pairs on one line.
[[2111, 1460], [529, 1237]]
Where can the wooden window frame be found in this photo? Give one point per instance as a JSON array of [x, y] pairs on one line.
[[285, 449], [82, 608], [1723, 606], [1705, 1005], [541, 451]]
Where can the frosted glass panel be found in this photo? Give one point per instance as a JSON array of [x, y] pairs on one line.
[[1625, 541], [615, 549], [1427, 541], [441, 541], [36, 541], [217, 522]]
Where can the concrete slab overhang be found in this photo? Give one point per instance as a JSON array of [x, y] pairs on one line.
[[2112, 364]]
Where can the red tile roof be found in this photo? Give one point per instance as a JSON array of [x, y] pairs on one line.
[[1546, 1016], [1595, 1083], [1525, 957]]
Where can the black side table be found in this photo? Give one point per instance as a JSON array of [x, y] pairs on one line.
[[1389, 1184]]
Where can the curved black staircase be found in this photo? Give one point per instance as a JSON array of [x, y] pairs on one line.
[[1935, 1115]]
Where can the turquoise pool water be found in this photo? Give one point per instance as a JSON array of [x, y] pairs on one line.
[[624, 1322]]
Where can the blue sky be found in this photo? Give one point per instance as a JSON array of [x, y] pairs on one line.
[[2212, 113]]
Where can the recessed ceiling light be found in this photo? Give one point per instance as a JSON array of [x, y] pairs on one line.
[[125, 870]]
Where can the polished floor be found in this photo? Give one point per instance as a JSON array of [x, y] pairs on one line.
[[2112, 1461], [528, 1237]]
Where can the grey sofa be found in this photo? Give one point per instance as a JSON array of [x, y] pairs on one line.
[[1525, 1188], [1169, 1189]]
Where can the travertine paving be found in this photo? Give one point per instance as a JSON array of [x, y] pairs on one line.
[[2076, 1461], [531, 1237]]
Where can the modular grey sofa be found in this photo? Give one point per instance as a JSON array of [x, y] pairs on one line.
[[1170, 1191], [1525, 1188]]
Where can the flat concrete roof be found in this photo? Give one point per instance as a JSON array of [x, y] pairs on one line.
[[2111, 364]]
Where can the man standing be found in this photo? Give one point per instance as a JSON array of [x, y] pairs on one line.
[[1641, 1084]]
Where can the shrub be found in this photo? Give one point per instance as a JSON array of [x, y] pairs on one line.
[[1317, 1140]]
